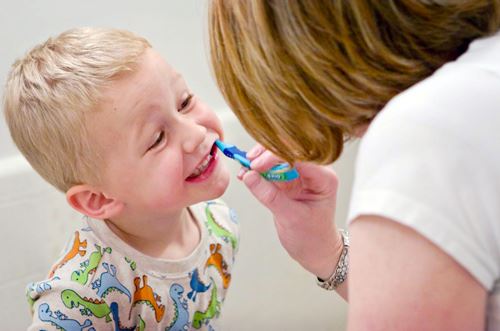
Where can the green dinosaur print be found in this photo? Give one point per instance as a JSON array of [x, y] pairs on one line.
[[212, 310], [90, 265], [131, 263], [95, 307], [218, 229], [31, 301], [142, 324]]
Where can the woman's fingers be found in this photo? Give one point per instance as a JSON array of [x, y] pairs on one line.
[[241, 173], [264, 161], [267, 193], [317, 179], [255, 151]]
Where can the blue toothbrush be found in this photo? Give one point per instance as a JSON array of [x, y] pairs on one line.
[[279, 173]]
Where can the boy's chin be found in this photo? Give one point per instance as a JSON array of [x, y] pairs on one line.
[[215, 192], [218, 188]]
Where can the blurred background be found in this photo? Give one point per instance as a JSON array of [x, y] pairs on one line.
[[269, 291]]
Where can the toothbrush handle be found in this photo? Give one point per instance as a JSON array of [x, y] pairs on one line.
[[242, 160], [281, 173]]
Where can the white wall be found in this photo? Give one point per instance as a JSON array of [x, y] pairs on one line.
[[269, 291]]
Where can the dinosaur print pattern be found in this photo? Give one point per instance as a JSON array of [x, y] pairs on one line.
[[78, 248], [90, 307], [89, 266], [131, 263], [181, 316], [34, 290], [61, 321], [146, 295], [217, 260], [142, 324], [213, 310], [197, 285], [116, 319], [108, 282], [102, 283], [219, 230]]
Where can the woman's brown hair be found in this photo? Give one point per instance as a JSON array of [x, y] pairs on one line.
[[303, 76]]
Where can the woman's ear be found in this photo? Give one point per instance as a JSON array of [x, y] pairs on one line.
[[92, 202]]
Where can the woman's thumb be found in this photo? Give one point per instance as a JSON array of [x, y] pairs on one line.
[[267, 193]]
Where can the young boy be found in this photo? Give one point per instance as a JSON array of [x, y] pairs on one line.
[[103, 118]]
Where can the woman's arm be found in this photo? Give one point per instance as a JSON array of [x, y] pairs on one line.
[[401, 281], [303, 212], [398, 280]]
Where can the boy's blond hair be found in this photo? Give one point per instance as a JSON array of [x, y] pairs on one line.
[[49, 91]]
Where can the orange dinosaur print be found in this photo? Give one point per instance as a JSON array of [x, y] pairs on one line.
[[75, 249], [145, 294], [218, 262]]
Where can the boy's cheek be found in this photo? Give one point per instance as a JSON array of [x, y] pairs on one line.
[[164, 199]]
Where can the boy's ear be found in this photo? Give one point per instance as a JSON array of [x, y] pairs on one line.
[[92, 202]]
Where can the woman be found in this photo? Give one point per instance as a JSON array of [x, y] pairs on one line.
[[420, 81]]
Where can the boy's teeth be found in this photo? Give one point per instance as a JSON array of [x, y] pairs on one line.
[[203, 165]]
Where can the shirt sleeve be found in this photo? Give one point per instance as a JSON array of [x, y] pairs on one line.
[[63, 305], [415, 171]]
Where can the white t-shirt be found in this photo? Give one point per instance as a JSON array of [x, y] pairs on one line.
[[102, 283], [431, 160]]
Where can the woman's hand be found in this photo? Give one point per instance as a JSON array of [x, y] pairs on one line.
[[303, 210]]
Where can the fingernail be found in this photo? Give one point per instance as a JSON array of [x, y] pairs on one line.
[[241, 173]]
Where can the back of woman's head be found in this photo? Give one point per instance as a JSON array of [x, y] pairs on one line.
[[303, 76]]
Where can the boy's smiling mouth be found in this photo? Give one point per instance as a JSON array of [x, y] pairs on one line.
[[205, 167]]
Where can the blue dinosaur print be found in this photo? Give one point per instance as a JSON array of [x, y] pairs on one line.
[[61, 321], [108, 282], [116, 319], [196, 285], [35, 289], [233, 216], [181, 317], [42, 286]]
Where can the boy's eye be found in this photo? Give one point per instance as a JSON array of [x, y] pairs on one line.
[[158, 140], [185, 104]]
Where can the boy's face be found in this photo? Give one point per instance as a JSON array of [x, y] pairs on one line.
[[157, 141]]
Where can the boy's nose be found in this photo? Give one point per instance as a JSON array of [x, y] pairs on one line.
[[193, 135]]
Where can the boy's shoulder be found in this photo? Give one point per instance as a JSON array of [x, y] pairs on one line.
[[83, 248], [77, 263], [91, 284], [221, 221], [75, 281], [220, 207]]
